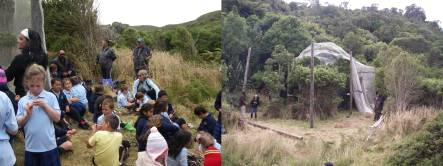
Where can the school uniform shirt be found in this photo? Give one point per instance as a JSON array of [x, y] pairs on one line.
[[167, 128], [39, 129], [147, 82], [212, 157], [79, 91], [122, 100], [140, 127], [62, 100], [180, 160], [68, 93], [207, 124], [107, 146], [8, 122], [101, 120]]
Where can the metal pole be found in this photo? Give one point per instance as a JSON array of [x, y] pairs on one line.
[[311, 94], [245, 80]]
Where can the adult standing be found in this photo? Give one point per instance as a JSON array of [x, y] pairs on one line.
[[64, 66], [254, 105], [105, 59], [141, 56], [30, 44]]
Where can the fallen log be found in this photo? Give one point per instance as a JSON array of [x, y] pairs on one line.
[[274, 130]]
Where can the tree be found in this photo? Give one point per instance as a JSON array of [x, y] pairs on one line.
[[7, 38], [288, 32], [73, 26], [183, 42], [415, 13], [401, 77], [234, 46], [414, 44], [276, 70]]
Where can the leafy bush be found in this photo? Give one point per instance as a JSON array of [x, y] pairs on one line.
[[328, 82], [423, 148]]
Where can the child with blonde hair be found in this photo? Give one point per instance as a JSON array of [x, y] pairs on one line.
[[37, 111]]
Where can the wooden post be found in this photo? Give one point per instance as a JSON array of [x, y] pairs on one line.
[[311, 91], [245, 80], [351, 87]]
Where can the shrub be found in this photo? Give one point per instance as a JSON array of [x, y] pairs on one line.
[[423, 148]]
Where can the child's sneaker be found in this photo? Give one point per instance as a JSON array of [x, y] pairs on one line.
[[83, 125]]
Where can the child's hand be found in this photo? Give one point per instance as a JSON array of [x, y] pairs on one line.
[[17, 97], [40, 103], [28, 108]]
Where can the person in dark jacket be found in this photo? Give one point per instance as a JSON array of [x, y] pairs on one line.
[[167, 127], [30, 44], [255, 102], [65, 68], [208, 123], [140, 56], [105, 59], [141, 124], [97, 99]]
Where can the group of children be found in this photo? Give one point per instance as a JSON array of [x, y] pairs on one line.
[[162, 138]]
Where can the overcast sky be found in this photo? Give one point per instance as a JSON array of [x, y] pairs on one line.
[[154, 12], [432, 8]]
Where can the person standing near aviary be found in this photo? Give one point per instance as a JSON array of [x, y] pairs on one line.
[[105, 59], [30, 44], [141, 56], [254, 104]]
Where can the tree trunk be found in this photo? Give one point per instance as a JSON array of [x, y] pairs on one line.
[[37, 20], [7, 8], [37, 23]]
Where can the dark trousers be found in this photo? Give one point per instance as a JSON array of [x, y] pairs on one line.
[[106, 71], [49, 158], [77, 111], [254, 112]]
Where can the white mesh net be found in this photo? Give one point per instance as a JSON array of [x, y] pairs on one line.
[[363, 76]]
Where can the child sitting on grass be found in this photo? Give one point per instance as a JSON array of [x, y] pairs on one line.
[[36, 113], [178, 153], [124, 99], [107, 107], [141, 125], [74, 101], [106, 142], [140, 99], [212, 154], [64, 104]]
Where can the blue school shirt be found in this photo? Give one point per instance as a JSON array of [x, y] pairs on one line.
[[39, 129], [7, 118], [122, 100], [79, 91]]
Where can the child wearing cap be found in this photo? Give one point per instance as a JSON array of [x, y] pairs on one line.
[[156, 153]]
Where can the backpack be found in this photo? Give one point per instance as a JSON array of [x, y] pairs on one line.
[[123, 152], [150, 92]]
